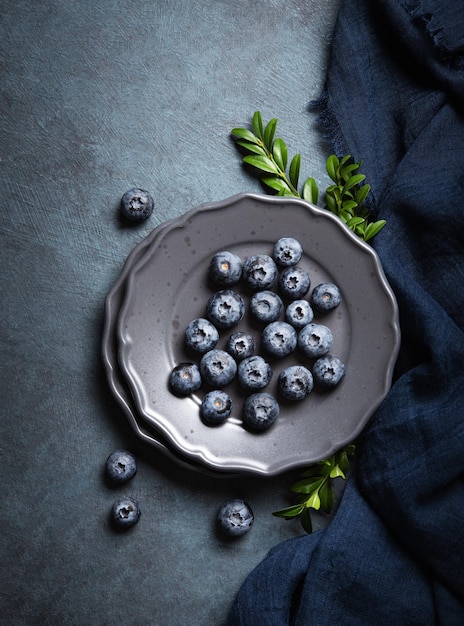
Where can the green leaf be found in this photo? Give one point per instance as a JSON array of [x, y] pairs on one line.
[[246, 134], [327, 497], [280, 153], [306, 521], [314, 501], [362, 193], [353, 181], [261, 163], [332, 164], [308, 485], [373, 229], [354, 221], [290, 511], [252, 147], [257, 123], [275, 182], [337, 472], [269, 133], [294, 170], [310, 191]]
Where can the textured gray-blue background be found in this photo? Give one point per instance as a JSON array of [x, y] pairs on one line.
[[97, 97]]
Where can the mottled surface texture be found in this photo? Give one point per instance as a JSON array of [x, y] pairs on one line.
[[99, 97]]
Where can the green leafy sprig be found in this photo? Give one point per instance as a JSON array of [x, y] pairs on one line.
[[316, 485], [268, 155]]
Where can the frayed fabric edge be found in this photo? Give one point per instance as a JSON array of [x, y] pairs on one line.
[[436, 33]]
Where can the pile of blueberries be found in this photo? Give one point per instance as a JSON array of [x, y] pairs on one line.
[[278, 288]]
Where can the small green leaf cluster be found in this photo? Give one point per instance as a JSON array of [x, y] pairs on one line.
[[269, 155], [316, 485], [345, 197]]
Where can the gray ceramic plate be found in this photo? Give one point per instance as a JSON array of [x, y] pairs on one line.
[[115, 379], [168, 288]]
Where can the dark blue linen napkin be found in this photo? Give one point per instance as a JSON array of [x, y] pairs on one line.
[[394, 552]]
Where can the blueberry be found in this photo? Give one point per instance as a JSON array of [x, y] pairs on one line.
[[295, 382], [260, 411], [325, 297], [254, 373], [201, 335], [216, 407], [125, 512], [299, 313], [294, 283], [217, 368], [121, 466], [137, 205], [279, 339], [315, 340], [225, 308], [328, 371], [225, 268], [240, 345], [235, 518], [287, 252], [266, 306], [185, 379], [259, 272]]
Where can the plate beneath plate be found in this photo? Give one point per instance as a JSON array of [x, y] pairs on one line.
[[168, 288]]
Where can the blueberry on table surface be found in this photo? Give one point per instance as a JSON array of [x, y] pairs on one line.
[[240, 345], [266, 306], [217, 368], [295, 383], [185, 378], [259, 272], [254, 373], [294, 283], [287, 251], [235, 518], [121, 466], [299, 313], [125, 512], [328, 371], [225, 308], [201, 335], [137, 205], [279, 339], [315, 340], [325, 297], [260, 411], [216, 407], [225, 268]]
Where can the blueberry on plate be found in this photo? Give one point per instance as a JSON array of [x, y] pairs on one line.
[[294, 283], [279, 339], [235, 518], [315, 340], [240, 345], [201, 335], [295, 383], [299, 313], [137, 205], [287, 251], [225, 268], [217, 368], [325, 297], [254, 373], [259, 272], [125, 512], [121, 466], [260, 411], [185, 378], [216, 407], [328, 371], [266, 306], [225, 308]]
